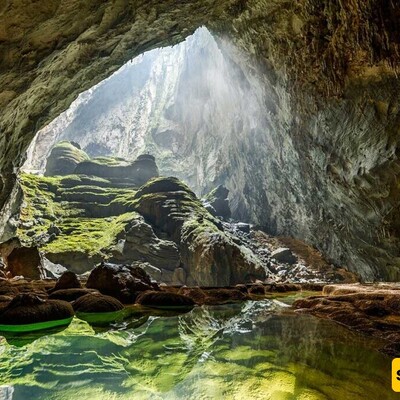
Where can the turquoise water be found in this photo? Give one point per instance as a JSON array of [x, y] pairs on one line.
[[254, 350]]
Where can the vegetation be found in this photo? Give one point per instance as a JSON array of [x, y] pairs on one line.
[[61, 217]]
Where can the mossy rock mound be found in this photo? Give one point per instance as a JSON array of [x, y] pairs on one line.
[[97, 303], [64, 158], [165, 300], [30, 309]]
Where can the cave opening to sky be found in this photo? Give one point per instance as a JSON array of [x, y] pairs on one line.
[[184, 104]]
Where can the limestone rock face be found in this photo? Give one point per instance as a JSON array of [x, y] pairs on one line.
[[140, 243], [218, 200], [63, 158]]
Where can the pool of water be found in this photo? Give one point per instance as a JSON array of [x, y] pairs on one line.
[[254, 350]]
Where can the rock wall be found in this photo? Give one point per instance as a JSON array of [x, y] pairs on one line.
[[325, 170]]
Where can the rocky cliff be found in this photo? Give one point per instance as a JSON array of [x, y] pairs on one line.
[[327, 167]]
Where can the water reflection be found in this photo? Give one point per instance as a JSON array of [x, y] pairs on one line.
[[254, 350]]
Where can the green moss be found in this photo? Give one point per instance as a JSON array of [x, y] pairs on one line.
[[110, 161], [89, 217], [88, 235]]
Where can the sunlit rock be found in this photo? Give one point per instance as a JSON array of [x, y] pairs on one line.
[[64, 158]]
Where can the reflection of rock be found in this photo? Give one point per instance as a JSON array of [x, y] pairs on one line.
[[30, 309], [64, 158], [97, 303], [121, 282], [218, 200]]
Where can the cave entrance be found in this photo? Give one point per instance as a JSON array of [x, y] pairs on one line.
[[185, 105]]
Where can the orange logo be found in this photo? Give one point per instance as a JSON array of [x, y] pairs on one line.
[[396, 375]]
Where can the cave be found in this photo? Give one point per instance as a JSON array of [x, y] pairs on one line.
[[199, 199]]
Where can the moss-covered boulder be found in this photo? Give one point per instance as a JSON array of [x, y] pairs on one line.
[[63, 158], [165, 300], [30, 309], [97, 303]]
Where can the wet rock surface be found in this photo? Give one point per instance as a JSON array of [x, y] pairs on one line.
[[68, 280], [30, 309], [370, 309], [97, 303], [164, 300]]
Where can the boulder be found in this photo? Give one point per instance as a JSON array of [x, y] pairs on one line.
[[218, 200], [122, 282], [30, 309], [284, 255], [164, 300], [70, 294], [215, 296], [68, 280], [97, 303], [26, 262], [63, 159]]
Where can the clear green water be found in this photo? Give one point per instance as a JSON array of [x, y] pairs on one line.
[[255, 350]]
